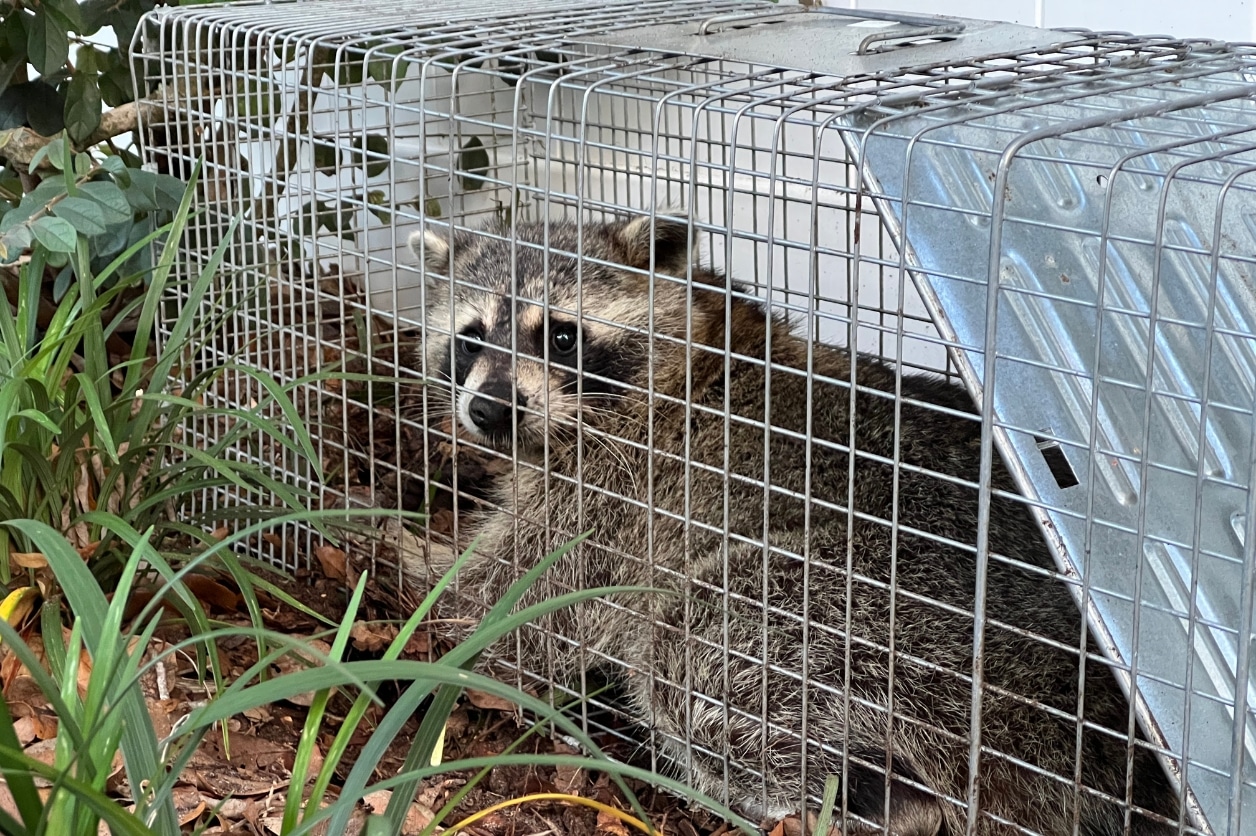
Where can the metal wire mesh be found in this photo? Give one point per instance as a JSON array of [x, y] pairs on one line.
[[1063, 225]]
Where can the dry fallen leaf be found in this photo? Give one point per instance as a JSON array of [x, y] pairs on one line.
[[188, 803], [28, 560], [420, 644], [489, 702], [289, 664], [26, 730], [209, 591], [608, 824], [569, 779], [372, 637], [334, 562]]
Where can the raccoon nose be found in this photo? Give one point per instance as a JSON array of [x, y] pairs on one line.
[[491, 410]]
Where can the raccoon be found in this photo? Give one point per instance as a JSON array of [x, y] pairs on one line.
[[608, 377]]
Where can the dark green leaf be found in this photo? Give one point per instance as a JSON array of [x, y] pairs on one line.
[[10, 66], [37, 197], [110, 197], [96, 14], [56, 234], [35, 103], [257, 100], [383, 60], [55, 153], [61, 284], [113, 165], [376, 154], [14, 242], [87, 60], [13, 30], [114, 239], [116, 87], [142, 191], [380, 70], [474, 158], [12, 109], [125, 20], [326, 156], [69, 12], [9, 183], [87, 216], [12, 218], [348, 72], [82, 107], [169, 191], [19, 781], [47, 41], [115, 78]]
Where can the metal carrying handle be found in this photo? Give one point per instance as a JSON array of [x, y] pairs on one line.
[[926, 25]]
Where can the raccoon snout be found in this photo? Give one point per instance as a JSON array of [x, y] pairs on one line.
[[491, 411]]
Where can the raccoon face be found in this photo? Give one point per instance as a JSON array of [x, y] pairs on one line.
[[536, 340]]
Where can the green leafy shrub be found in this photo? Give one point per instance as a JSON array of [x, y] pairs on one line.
[[78, 433]]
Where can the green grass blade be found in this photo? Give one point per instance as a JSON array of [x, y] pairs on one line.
[[120, 821], [21, 786], [81, 589], [101, 424], [159, 278], [140, 750], [464, 654], [340, 743], [314, 719], [616, 769], [182, 326], [95, 359], [527, 580]]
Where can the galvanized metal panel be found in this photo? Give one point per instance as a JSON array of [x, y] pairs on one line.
[[1114, 224]]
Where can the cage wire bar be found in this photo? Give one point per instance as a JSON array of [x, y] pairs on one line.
[[1064, 221]]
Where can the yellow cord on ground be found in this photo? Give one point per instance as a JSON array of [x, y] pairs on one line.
[[554, 796]]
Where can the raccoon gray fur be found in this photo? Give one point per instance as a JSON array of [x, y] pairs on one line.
[[709, 662]]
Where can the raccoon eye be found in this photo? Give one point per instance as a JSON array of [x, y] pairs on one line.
[[564, 337], [470, 341]]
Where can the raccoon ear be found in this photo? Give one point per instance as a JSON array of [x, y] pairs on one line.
[[432, 249], [670, 236]]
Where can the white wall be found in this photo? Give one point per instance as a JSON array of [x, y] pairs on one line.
[[1231, 20]]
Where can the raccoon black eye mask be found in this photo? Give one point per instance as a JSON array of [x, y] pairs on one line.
[[672, 488]]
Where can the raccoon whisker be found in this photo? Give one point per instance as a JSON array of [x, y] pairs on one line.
[[619, 454], [630, 421]]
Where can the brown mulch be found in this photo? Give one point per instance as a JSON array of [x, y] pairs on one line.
[[237, 781]]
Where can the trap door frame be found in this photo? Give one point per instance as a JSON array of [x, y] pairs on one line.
[[971, 319]]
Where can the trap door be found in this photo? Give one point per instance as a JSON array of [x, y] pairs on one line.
[[1088, 248]]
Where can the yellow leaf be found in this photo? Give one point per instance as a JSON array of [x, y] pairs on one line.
[[438, 751], [17, 605]]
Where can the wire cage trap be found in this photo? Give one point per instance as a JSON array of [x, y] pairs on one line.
[[1060, 221]]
